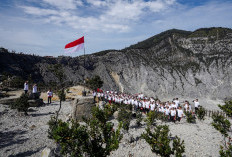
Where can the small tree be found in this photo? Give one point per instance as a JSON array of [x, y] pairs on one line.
[[95, 138], [160, 141], [62, 97], [150, 120], [94, 82], [221, 124], [201, 113], [21, 104], [227, 108], [125, 116], [190, 117], [139, 119]]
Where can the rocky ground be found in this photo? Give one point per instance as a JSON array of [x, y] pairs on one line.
[[27, 135]]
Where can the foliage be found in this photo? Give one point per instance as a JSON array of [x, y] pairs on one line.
[[62, 95], [95, 138], [201, 113], [139, 118], [221, 124], [21, 104], [94, 82], [151, 116], [190, 117], [125, 117], [227, 108], [160, 141], [228, 151], [71, 136]]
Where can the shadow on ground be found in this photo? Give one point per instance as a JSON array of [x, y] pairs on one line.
[[12, 137], [27, 153]]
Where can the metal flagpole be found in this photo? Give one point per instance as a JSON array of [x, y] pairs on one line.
[[84, 92]]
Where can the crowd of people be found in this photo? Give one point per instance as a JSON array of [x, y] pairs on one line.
[[174, 110]]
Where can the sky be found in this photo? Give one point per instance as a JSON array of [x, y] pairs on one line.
[[44, 27]]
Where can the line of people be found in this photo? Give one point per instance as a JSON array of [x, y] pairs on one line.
[[173, 110]]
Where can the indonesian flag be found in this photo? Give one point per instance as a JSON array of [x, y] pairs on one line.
[[74, 46]]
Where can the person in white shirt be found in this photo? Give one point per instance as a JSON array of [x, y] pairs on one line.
[[147, 105], [179, 113], [34, 90], [167, 113], [173, 115], [26, 87], [196, 104], [94, 96], [50, 95], [152, 106]]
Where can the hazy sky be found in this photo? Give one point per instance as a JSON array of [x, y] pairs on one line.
[[44, 27]]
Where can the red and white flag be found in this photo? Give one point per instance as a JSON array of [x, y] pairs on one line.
[[74, 46]]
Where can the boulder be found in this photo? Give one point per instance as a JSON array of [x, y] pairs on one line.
[[8, 101], [82, 107], [36, 103], [115, 114], [101, 104], [46, 152]]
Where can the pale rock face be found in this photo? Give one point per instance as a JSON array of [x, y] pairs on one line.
[[174, 63]]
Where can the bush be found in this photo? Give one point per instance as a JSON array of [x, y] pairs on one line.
[[221, 124], [160, 141], [190, 117], [21, 104], [227, 108], [95, 138], [125, 116], [72, 137], [139, 119], [94, 83], [201, 113], [150, 120]]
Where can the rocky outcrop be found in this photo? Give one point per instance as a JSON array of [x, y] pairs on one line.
[[82, 106], [173, 63]]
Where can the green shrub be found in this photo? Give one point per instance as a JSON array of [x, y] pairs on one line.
[[125, 116], [160, 141], [139, 119], [221, 124], [21, 104], [96, 137], [227, 108], [190, 117], [151, 116], [72, 137], [201, 113]]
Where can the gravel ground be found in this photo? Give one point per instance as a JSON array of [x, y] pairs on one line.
[[27, 135]]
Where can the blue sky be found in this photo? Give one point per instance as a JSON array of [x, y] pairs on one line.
[[44, 27]]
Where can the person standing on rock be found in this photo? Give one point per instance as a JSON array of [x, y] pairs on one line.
[[34, 90], [196, 104], [50, 95], [26, 87]]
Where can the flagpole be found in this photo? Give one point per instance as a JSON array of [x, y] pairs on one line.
[[84, 68]]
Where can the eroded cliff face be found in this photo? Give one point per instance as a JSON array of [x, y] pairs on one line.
[[174, 63]]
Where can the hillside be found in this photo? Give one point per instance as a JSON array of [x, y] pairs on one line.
[[173, 63]]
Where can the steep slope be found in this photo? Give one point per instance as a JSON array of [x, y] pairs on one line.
[[172, 63]]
